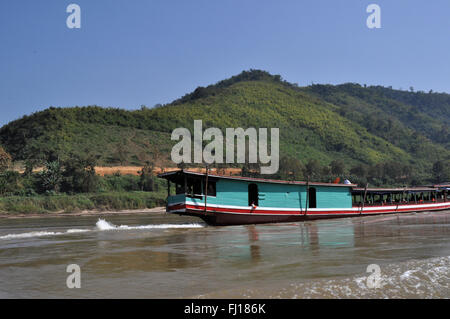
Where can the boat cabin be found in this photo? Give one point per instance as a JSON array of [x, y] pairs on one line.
[[189, 187]]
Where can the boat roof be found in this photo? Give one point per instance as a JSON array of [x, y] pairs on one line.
[[174, 175]]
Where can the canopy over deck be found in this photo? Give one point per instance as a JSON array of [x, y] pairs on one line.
[[445, 186]]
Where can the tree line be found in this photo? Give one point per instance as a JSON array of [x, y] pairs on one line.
[[70, 176], [381, 174]]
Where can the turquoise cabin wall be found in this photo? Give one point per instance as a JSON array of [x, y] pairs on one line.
[[282, 196], [333, 197], [235, 192], [232, 192]]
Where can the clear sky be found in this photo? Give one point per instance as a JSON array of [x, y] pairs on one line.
[[143, 52]]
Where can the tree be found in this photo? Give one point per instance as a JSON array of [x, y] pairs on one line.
[[121, 153], [393, 171], [359, 170], [290, 168], [337, 167], [312, 168], [79, 174], [10, 183], [441, 171], [158, 159], [5, 160], [376, 171], [325, 172], [29, 166], [51, 177], [146, 179], [34, 155]]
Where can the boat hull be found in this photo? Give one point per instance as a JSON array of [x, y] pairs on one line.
[[223, 215]]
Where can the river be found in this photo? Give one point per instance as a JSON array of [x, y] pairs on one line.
[[170, 256]]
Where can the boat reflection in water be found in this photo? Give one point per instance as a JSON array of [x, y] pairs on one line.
[[329, 258]]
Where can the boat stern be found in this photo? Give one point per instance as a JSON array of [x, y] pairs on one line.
[[176, 204]]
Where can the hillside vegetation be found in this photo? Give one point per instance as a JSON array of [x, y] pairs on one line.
[[371, 134]]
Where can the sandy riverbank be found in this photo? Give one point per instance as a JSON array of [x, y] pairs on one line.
[[156, 210]]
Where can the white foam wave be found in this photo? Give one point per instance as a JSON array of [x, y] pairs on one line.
[[78, 231], [105, 225], [427, 278], [101, 225], [41, 234]]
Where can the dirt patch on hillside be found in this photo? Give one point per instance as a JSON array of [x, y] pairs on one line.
[[135, 170]]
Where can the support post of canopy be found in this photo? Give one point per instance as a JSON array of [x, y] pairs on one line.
[[364, 199], [206, 187], [168, 188], [403, 195], [307, 195]]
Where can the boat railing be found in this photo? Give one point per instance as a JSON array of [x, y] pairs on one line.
[[399, 203]]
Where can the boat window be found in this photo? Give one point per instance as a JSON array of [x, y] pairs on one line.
[[211, 188], [252, 194], [179, 189], [194, 187], [312, 202]]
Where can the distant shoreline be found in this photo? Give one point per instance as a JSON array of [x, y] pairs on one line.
[[93, 212], [81, 204]]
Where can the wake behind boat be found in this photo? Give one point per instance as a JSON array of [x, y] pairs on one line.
[[231, 200]]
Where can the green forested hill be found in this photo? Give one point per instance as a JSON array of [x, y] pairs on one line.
[[361, 126]]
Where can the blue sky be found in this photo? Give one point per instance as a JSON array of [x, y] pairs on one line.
[[142, 52]]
